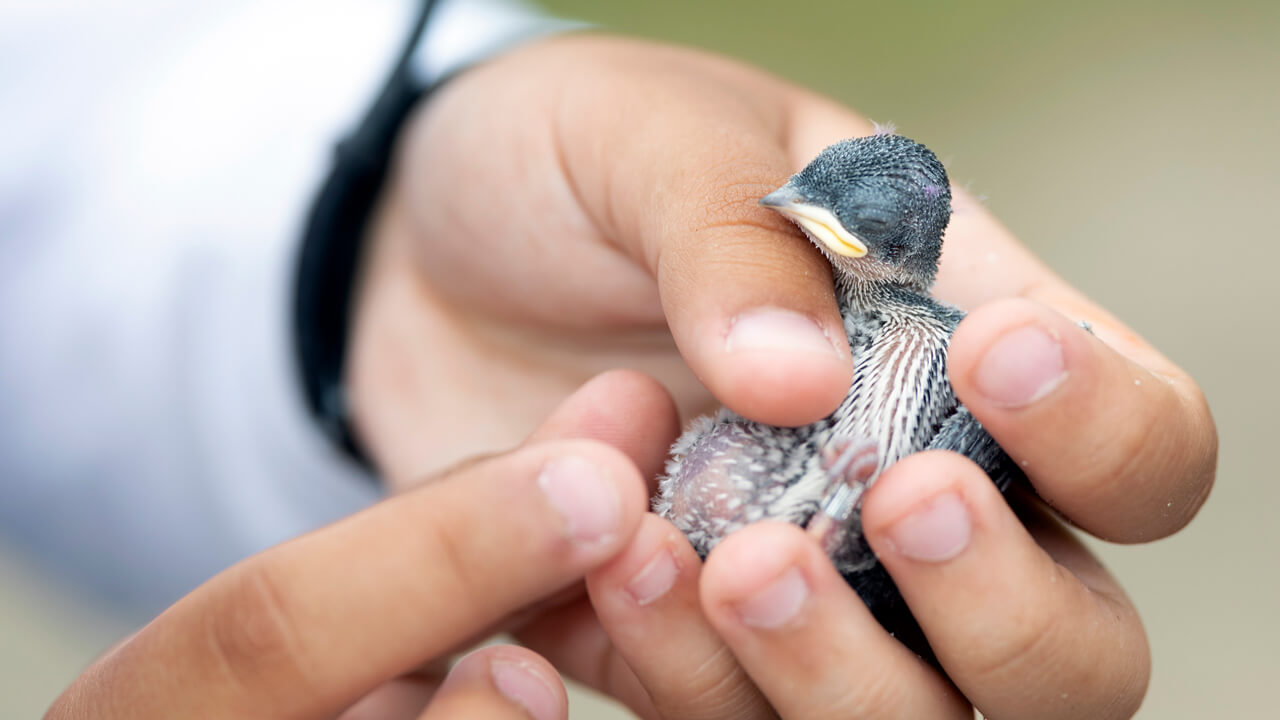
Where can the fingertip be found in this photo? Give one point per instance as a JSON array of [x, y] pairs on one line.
[[594, 487], [763, 559], [1125, 453], [519, 675], [1011, 353], [644, 400], [623, 408], [774, 365], [650, 590], [929, 506], [657, 558], [794, 623], [762, 331], [917, 478], [955, 549], [787, 390]]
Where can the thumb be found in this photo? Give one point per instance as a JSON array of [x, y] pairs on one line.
[[748, 300]]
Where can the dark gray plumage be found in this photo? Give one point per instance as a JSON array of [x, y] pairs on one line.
[[876, 207]]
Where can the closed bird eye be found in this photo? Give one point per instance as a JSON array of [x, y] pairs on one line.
[[874, 213], [876, 222]]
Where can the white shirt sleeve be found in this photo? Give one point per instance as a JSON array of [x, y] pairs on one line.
[[156, 166]]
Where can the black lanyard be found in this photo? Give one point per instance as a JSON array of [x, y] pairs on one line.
[[331, 243]]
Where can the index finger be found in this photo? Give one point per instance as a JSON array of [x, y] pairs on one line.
[[307, 628]]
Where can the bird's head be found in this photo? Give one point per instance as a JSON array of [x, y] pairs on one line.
[[875, 206]]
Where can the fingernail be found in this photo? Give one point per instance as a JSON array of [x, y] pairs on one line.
[[1021, 367], [583, 497], [937, 531], [777, 329], [654, 579], [777, 603], [526, 688]]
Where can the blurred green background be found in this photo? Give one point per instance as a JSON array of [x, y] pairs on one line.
[[1134, 147]]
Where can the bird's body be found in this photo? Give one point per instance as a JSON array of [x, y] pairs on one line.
[[727, 471]]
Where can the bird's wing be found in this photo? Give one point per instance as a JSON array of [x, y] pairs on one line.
[[728, 472], [962, 433]]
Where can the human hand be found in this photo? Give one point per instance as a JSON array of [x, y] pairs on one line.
[[1024, 622], [355, 619], [590, 202]]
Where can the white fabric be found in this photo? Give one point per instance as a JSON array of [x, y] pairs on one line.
[[156, 163]]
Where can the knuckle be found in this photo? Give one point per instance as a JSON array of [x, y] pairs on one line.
[[453, 568], [1041, 288], [1170, 451], [1116, 452], [1202, 445], [1192, 447], [875, 695], [1133, 441], [252, 637], [727, 195], [1087, 649], [717, 688], [1030, 641], [1126, 699], [1122, 680]]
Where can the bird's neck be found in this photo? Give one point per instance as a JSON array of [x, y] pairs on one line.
[[868, 282], [859, 292]]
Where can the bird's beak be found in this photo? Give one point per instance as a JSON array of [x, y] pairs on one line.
[[819, 223]]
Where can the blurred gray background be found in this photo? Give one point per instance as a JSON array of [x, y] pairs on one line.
[[1134, 147]]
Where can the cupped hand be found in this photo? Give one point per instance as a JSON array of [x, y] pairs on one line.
[[590, 202], [355, 619], [1023, 621]]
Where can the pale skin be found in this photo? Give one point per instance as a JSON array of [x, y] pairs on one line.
[[586, 203]]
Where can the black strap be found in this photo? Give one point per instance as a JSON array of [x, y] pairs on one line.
[[331, 245]]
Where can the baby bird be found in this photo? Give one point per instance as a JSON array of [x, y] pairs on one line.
[[876, 207]]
